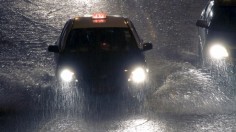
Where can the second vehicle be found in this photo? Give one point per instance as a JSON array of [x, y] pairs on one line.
[[217, 32]]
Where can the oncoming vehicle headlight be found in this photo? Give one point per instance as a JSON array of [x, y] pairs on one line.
[[138, 75], [66, 75], [218, 51]]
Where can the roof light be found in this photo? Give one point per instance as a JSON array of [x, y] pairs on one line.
[[99, 16], [76, 18]]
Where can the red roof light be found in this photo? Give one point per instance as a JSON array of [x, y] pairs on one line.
[[99, 16]]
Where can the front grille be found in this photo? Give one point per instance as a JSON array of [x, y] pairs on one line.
[[106, 81]]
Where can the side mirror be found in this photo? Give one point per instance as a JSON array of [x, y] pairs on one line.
[[202, 23], [53, 48], [147, 46]]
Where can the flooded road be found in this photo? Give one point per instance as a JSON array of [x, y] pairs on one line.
[[181, 97]]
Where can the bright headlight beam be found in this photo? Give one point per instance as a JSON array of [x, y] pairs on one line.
[[66, 75], [218, 52], [138, 75]]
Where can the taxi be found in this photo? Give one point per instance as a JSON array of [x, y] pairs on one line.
[[105, 52], [217, 31]]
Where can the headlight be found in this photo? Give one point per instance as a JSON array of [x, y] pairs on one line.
[[66, 75], [218, 51], [138, 75]]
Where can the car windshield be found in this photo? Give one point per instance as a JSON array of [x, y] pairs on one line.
[[105, 39], [224, 18]]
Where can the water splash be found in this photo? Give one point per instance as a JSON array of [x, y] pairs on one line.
[[191, 92]]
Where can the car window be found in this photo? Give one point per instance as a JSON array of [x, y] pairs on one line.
[[107, 39]]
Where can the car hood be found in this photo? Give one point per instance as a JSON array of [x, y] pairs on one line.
[[101, 63]]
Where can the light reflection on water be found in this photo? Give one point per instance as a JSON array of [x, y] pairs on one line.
[[223, 72], [72, 124], [139, 125]]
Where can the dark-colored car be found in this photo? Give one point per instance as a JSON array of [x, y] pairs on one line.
[[217, 31], [105, 52]]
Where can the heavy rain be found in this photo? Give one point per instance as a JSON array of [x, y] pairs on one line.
[[181, 96]]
